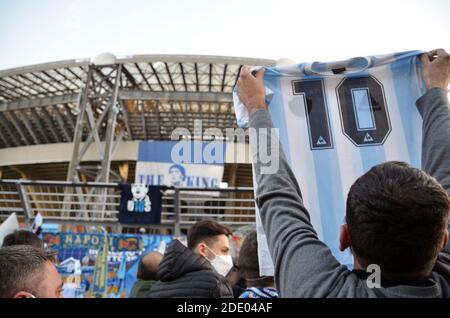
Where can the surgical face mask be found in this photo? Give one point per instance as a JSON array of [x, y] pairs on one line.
[[221, 263]]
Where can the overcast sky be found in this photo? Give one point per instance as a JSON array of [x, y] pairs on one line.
[[37, 31]]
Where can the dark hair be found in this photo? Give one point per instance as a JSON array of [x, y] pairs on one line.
[[206, 230], [396, 218], [248, 263], [148, 265], [22, 237], [248, 257], [21, 267]]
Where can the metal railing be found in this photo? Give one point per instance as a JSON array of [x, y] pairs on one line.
[[94, 203]]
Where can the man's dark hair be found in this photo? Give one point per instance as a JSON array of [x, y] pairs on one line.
[[396, 218], [22, 237], [249, 265], [248, 257], [21, 268], [206, 230], [148, 264]]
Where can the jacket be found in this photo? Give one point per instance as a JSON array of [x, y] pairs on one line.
[[185, 274]]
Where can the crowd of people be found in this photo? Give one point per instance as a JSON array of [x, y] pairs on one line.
[[397, 218], [203, 268]]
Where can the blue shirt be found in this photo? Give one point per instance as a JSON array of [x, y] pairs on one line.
[[265, 292]]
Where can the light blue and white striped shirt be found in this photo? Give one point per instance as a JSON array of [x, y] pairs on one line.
[[336, 120]]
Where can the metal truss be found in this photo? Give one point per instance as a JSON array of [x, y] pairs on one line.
[[40, 104]]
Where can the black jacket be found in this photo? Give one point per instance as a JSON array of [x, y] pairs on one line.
[[187, 275]]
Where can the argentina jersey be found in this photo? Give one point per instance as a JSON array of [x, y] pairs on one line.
[[336, 120]]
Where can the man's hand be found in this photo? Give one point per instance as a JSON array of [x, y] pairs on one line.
[[251, 90], [436, 69]]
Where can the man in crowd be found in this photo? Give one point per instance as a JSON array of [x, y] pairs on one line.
[[146, 274], [234, 276], [28, 272], [397, 216], [197, 270]]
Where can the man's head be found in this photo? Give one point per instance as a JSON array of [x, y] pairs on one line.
[[396, 218], [27, 271], [249, 264], [208, 235], [177, 175], [148, 265], [237, 239], [209, 239], [22, 237]]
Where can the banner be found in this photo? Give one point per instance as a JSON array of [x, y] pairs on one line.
[[180, 164], [123, 254], [92, 241], [140, 204]]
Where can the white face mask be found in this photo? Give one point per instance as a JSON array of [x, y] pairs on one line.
[[221, 263]]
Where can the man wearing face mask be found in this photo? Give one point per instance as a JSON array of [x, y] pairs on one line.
[[199, 269]]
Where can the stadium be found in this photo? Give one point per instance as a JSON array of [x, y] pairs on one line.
[[170, 167], [70, 132]]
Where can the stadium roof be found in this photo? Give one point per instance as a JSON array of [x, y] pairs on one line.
[[157, 93]]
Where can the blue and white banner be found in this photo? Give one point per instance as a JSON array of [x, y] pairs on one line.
[[180, 164], [87, 249], [10, 225]]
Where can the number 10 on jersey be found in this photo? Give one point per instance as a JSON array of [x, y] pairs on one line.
[[363, 112]]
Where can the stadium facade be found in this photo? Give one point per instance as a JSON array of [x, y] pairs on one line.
[[70, 131]]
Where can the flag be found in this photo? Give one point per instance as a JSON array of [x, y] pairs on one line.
[[140, 204]]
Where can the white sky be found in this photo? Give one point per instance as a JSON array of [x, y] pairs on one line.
[[37, 31]]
